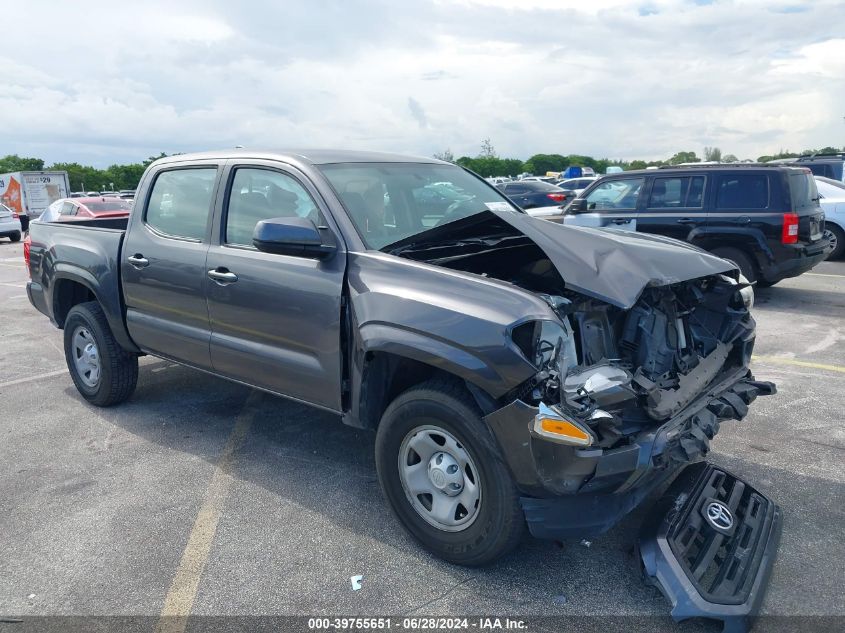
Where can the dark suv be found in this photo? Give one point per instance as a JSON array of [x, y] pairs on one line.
[[827, 165], [766, 219]]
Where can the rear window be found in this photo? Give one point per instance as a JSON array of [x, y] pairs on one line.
[[676, 192], [828, 170], [180, 202], [742, 191], [109, 206], [803, 191], [539, 185]]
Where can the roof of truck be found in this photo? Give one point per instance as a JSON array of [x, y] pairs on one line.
[[313, 156]]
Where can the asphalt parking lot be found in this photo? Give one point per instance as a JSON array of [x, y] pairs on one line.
[[205, 497]]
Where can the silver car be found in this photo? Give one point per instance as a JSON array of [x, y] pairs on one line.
[[10, 224]]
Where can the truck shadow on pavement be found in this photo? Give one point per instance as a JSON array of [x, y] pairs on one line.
[[318, 477], [825, 303]]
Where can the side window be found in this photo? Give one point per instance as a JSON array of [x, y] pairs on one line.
[[180, 202], [742, 191], [68, 208], [615, 194], [675, 193], [513, 189], [261, 194]]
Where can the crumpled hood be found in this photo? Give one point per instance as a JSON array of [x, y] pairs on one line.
[[612, 265]]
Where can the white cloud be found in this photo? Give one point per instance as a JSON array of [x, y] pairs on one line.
[[605, 78]]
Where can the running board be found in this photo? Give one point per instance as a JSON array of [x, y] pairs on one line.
[[710, 547]]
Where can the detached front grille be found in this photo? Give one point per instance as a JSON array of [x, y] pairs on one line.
[[706, 565], [718, 537]]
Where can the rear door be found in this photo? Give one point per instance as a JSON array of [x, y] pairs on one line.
[[674, 207], [163, 269], [746, 204], [611, 204], [275, 319]]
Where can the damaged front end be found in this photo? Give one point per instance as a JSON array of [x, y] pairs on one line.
[[623, 398], [644, 353]]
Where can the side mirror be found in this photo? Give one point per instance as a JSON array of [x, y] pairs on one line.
[[579, 205], [295, 236]]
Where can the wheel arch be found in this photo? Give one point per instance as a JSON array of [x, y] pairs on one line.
[[72, 287], [383, 375]]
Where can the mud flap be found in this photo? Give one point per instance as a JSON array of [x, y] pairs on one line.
[[710, 546]]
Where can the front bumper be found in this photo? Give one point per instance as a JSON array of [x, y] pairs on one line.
[[713, 566], [575, 492]]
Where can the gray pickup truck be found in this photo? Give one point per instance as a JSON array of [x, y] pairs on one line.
[[516, 372]]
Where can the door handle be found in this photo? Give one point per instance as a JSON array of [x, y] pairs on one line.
[[138, 261], [222, 276], [621, 220], [686, 221]]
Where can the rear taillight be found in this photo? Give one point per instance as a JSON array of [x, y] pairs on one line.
[[27, 242], [557, 197], [790, 228]]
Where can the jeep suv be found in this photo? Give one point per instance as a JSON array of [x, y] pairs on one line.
[[827, 165], [766, 219]]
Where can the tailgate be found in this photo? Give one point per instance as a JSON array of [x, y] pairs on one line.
[[805, 204]]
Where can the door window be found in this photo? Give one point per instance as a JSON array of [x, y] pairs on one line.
[[68, 208], [615, 194], [181, 201], [261, 194], [679, 192], [743, 191]]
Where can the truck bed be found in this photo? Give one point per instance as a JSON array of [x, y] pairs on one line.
[[78, 257]]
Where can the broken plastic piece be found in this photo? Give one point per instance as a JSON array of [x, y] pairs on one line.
[[586, 543], [356, 582]]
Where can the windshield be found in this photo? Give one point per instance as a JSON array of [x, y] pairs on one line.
[[389, 202]]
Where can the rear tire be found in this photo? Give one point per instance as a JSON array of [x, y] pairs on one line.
[[420, 419], [15, 237], [740, 258], [839, 236], [103, 372]]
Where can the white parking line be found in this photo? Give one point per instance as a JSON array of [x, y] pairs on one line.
[[823, 275], [3, 283], [21, 381]]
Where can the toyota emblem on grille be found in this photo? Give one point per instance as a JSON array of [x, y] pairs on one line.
[[719, 515]]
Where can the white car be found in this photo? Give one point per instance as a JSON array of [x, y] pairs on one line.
[[832, 199], [577, 184], [10, 224]]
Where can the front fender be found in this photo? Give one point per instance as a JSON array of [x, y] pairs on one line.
[[447, 356]]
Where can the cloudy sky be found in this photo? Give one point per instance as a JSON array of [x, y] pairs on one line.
[[105, 82]]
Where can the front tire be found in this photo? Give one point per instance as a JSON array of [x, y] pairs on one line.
[[443, 475], [103, 372]]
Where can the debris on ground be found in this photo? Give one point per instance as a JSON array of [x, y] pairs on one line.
[[356, 582]]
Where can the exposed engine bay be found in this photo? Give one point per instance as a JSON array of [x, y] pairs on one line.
[[615, 370]]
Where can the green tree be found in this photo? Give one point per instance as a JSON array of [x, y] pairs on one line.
[[13, 162], [446, 155], [684, 157], [487, 149], [712, 154], [730, 158]]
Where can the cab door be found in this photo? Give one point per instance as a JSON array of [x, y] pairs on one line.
[[675, 207], [275, 319], [163, 270]]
